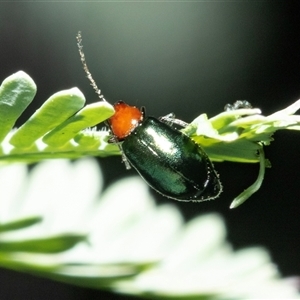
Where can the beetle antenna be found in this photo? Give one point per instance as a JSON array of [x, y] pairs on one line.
[[96, 89], [85, 67]]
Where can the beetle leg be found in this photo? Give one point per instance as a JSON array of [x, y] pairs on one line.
[[125, 160], [170, 120], [237, 105], [114, 140], [143, 111]]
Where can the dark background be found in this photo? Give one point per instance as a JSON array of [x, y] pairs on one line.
[[186, 58]]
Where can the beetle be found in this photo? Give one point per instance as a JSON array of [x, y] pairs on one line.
[[167, 159]]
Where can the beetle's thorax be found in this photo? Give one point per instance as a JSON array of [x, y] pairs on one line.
[[125, 119]]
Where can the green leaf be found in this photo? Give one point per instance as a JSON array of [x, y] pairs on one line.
[[60, 128], [16, 93], [19, 224], [247, 193], [55, 110], [237, 135], [54, 244], [89, 116]]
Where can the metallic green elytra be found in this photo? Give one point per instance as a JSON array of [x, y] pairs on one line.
[[170, 162]]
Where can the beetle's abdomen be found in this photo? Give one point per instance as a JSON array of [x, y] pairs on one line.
[[171, 162]]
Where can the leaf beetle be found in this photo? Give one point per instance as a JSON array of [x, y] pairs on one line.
[[168, 160]]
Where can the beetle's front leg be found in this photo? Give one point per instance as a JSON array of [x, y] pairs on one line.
[[113, 140]]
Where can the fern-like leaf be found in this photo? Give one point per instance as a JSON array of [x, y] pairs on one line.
[[60, 128]]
